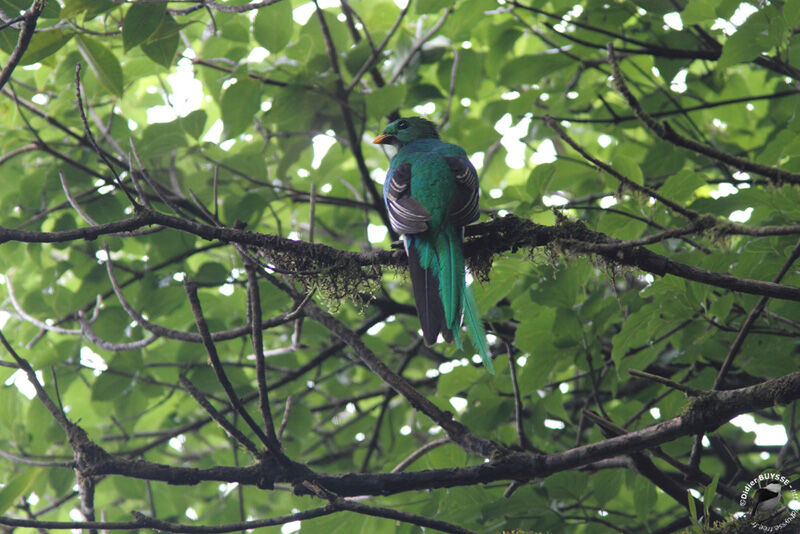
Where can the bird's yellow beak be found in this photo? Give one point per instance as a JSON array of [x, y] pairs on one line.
[[381, 139]]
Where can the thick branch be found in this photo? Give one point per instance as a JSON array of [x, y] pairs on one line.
[[503, 234], [704, 414], [29, 19]]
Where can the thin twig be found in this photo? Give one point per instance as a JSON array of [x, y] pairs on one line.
[[93, 141], [144, 522], [354, 139], [31, 319], [171, 333], [41, 394], [418, 46], [405, 517], [689, 214], [451, 91], [378, 51], [72, 202], [419, 453], [285, 419], [665, 131], [524, 442], [234, 432], [254, 300], [107, 345], [689, 390], [202, 327], [751, 318]]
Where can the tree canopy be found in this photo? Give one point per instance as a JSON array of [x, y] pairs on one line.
[[207, 327]]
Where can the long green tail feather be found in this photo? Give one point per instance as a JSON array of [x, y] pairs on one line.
[[461, 297], [475, 328], [446, 260], [451, 279]]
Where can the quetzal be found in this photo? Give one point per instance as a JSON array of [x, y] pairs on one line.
[[431, 193]]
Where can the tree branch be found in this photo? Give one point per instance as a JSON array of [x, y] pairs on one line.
[[665, 132], [503, 234], [29, 19]]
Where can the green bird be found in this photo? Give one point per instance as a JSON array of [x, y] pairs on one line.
[[431, 193]]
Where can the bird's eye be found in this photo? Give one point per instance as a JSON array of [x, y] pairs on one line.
[[402, 125]]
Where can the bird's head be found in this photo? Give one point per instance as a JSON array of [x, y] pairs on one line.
[[402, 131]]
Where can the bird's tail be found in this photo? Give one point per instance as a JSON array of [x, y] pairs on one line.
[[475, 327], [424, 269], [436, 265], [456, 296]]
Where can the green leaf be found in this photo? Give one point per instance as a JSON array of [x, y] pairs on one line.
[[458, 380], [644, 497], [791, 12], [17, 487], [692, 509], [636, 331], [211, 273], [162, 138], [460, 25], [697, 11], [194, 123], [273, 26], [750, 40], [8, 40], [709, 494], [102, 62], [531, 69], [13, 7], [249, 162], [656, 6], [111, 324], [159, 297], [42, 45], [563, 288], [90, 8], [163, 44], [620, 226], [469, 72], [61, 480], [534, 328], [51, 11], [384, 100], [681, 187], [240, 102], [721, 307], [233, 28], [9, 407], [247, 208], [432, 6], [628, 168], [141, 20], [109, 386], [539, 180], [607, 484]]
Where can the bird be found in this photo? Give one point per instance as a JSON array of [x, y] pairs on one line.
[[431, 193], [766, 499]]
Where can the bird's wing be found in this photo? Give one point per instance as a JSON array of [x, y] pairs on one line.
[[464, 205], [406, 214]]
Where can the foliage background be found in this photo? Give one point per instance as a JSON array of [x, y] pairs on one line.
[[280, 82]]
